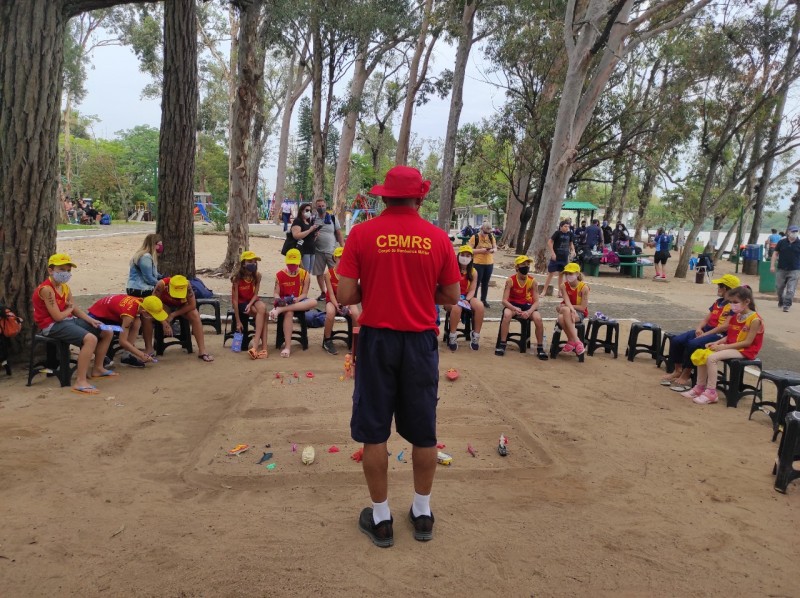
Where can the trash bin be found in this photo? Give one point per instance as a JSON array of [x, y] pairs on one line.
[[766, 279], [700, 274], [750, 267], [754, 252]]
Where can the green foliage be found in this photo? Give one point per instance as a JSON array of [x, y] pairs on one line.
[[211, 168], [219, 218]]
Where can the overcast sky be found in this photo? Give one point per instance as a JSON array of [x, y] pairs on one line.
[[115, 85]]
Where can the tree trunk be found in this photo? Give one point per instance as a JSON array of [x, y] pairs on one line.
[[298, 84], [248, 78], [775, 128], [260, 132], [32, 51], [727, 239], [716, 225], [348, 135], [68, 146], [626, 186], [404, 137], [317, 142], [794, 209], [177, 143], [645, 194], [456, 103], [686, 252]]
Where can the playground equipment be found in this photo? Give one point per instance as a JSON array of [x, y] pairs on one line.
[[139, 211]]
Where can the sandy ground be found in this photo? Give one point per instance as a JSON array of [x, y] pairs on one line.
[[614, 486]]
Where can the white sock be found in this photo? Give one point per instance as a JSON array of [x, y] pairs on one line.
[[421, 505], [453, 337], [380, 511]]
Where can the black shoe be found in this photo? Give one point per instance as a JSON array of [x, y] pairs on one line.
[[486, 304], [500, 349], [542, 354], [132, 362], [381, 534], [329, 347], [108, 362], [423, 526], [321, 297]]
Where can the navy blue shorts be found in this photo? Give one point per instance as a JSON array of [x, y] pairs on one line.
[[556, 266], [397, 375]]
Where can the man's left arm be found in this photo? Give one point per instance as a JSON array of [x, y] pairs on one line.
[[349, 291], [337, 232]]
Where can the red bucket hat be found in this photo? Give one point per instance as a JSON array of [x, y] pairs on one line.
[[402, 181]]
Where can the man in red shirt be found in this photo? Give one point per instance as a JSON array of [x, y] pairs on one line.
[[127, 312], [398, 266]]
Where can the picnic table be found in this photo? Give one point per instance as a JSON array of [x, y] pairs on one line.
[[629, 265]]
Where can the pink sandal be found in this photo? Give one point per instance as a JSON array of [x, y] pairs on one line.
[[568, 348]]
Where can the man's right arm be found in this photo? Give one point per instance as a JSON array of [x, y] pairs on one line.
[[445, 295], [773, 260]]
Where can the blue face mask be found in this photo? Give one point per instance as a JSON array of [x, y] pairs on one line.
[[62, 276], [251, 267]]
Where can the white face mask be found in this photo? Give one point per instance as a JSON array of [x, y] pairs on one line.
[[737, 308], [464, 260], [572, 277], [62, 276], [792, 236]]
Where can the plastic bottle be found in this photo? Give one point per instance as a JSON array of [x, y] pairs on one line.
[[236, 345], [544, 342]]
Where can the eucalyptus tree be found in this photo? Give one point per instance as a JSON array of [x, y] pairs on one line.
[[597, 34], [377, 28], [32, 40]]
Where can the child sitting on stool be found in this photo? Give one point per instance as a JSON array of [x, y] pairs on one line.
[[291, 295]]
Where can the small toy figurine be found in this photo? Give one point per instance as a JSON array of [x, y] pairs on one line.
[[348, 366]]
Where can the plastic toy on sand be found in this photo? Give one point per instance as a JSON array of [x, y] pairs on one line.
[[443, 458], [239, 449], [308, 455], [502, 447], [452, 374]]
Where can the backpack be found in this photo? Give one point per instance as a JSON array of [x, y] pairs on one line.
[[315, 318], [105, 219], [201, 291], [475, 239], [10, 323], [289, 243]]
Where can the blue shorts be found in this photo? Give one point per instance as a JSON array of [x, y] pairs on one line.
[[397, 375], [556, 266]]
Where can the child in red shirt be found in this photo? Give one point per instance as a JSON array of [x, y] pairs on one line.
[[332, 305], [521, 301], [574, 307], [291, 295], [745, 335], [468, 289], [245, 284]]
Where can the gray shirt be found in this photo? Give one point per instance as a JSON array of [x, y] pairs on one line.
[[326, 238]]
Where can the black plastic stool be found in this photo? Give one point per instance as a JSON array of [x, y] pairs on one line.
[[300, 336], [183, 339], [208, 320], [247, 333], [557, 344], [465, 330], [343, 335], [522, 338], [663, 353], [731, 380], [784, 408], [635, 347], [4, 355], [58, 361], [611, 342], [782, 379], [788, 453]]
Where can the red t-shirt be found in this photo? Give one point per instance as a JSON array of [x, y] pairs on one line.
[[334, 284], [399, 259], [171, 301], [291, 285], [246, 289], [40, 314], [115, 307]]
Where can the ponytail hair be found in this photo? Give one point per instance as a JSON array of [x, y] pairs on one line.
[[745, 294]]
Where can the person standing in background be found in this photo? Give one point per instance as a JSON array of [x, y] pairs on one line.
[[483, 248], [785, 264], [286, 213], [329, 237]]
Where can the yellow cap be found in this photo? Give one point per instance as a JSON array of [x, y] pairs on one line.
[[700, 356], [572, 267], [522, 259], [154, 307], [465, 249], [338, 252], [178, 286], [729, 280], [293, 257], [249, 255], [60, 259]]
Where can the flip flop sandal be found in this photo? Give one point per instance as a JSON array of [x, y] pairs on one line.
[[106, 374], [681, 387], [263, 354], [252, 353], [667, 381], [205, 357], [85, 390], [285, 353]]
